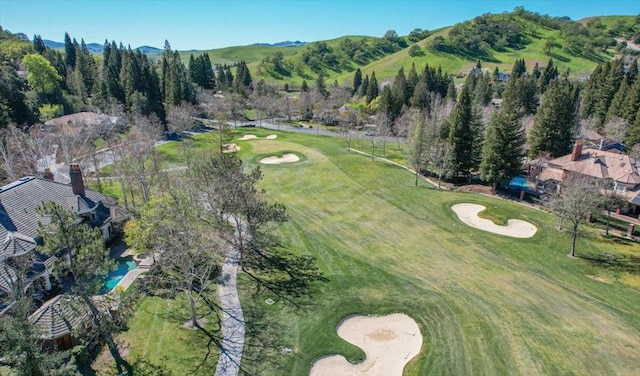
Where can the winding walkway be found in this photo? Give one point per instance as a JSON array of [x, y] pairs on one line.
[[232, 317]]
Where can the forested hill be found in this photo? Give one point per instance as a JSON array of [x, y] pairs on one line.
[[494, 40]]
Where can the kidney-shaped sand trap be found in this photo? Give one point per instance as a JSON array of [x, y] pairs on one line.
[[286, 158], [468, 213], [389, 342]]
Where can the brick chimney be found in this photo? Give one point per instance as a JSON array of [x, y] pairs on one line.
[[77, 183], [577, 151], [47, 174]]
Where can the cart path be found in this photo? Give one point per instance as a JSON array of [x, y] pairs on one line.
[[232, 318]]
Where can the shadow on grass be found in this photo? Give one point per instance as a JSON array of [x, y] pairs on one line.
[[629, 264]]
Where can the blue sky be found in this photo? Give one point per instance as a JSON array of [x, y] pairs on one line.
[[204, 24]]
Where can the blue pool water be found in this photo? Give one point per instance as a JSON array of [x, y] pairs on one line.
[[519, 183], [112, 279]]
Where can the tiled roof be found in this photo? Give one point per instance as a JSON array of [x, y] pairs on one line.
[[59, 316], [19, 200], [601, 164], [16, 244]]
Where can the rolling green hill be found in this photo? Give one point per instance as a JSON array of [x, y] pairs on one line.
[[249, 54], [576, 46]]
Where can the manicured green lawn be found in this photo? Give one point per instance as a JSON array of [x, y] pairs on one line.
[[486, 304], [157, 334]]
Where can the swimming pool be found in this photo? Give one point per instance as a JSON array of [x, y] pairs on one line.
[[125, 264]]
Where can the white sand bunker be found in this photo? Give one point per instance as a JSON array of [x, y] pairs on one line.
[[286, 158], [389, 342], [253, 136], [468, 213], [230, 148]]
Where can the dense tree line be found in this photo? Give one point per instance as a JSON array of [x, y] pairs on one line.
[[612, 95]]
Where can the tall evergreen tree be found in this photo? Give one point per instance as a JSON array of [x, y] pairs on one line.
[[372, 90], [550, 72], [412, 81], [321, 87], [502, 151], [357, 80], [364, 88], [69, 52], [465, 135], [556, 120], [38, 44], [520, 96]]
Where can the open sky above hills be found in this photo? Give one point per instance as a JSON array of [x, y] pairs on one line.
[[194, 24]]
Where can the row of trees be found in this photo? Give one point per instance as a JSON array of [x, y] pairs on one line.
[[612, 100]]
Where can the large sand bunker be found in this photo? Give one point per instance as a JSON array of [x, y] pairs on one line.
[[389, 342], [286, 158], [468, 213], [253, 136]]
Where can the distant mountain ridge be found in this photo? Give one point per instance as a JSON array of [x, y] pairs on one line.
[[99, 48], [286, 43]]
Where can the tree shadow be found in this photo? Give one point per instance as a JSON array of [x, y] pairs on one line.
[[626, 263]]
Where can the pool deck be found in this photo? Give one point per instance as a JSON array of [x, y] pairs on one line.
[[121, 250]]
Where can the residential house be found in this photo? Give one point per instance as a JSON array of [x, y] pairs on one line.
[[83, 121], [19, 222], [609, 168]]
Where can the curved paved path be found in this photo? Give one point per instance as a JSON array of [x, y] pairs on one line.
[[232, 317]]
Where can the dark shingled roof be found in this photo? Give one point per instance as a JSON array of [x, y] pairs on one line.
[[16, 244], [19, 200], [59, 316]]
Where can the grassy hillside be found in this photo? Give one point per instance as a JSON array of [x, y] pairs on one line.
[[452, 59], [249, 54]]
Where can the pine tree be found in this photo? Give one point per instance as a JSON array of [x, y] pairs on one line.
[[400, 88], [364, 88], [357, 80], [519, 69], [69, 52], [631, 104], [465, 135], [321, 87], [305, 87], [550, 72], [451, 91], [421, 97], [372, 90], [502, 152], [520, 96], [412, 81], [38, 44], [556, 120]]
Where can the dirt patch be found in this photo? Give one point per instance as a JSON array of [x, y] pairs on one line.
[[248, 137], [230, 148], [599, 279], [286, 158], [476, 188], [468, 213], [389, 342], [272, 137]]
